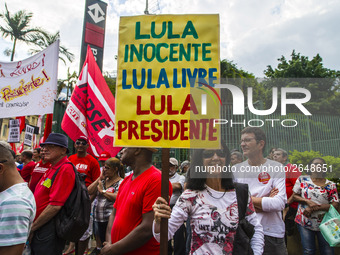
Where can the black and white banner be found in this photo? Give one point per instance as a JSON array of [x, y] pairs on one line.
[[14, 131], [29, 135]]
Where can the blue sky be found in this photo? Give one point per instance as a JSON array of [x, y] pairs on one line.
[[254, 33]]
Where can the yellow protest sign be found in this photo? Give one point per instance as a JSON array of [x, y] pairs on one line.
[[167, 68]]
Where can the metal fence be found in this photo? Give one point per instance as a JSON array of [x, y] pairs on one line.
[[315, 132], [289, 132]]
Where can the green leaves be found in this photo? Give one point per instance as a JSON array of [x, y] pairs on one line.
[[16, 26]]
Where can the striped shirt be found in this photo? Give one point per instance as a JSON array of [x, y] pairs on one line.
[[17, 211]]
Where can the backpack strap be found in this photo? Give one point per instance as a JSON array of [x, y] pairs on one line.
[[56, 172], [242, 194]]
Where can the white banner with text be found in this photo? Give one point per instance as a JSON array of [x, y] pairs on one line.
[[29, 87]]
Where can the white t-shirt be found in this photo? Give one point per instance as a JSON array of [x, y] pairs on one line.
[[261, 180], [214, 220], [17, 212], [176, 178]]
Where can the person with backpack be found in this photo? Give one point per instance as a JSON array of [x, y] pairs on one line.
[[88, 165], [217, 206], [51, 197]]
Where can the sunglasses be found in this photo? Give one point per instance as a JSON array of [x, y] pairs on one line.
[[81, 142], [211, 153]]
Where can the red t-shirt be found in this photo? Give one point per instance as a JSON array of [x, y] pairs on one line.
[[86, 165], [27, 171], [292, 173], [56, 194], [134, 198], [37, 173]]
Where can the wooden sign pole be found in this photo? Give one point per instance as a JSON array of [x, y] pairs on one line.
[[165, 195]]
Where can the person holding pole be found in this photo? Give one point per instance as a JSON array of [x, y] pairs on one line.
[[211, 201], [129, 229]]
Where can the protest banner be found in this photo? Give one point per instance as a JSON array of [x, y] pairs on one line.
[[29, 135], [29, 87], [91, 110], [167, 65], [14, 131]]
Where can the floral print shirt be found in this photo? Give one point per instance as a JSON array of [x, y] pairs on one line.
[[327, 194], [214, 220]]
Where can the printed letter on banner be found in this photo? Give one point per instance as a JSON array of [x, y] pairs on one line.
[[29, 87], [165, 95]]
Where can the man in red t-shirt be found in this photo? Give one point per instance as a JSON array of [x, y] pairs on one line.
[[39, 170], [84, 162], [88, 165], [51, 197], [292, 174], [132, 215], [29, 164]]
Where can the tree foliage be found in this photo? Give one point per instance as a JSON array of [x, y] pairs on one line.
[[42, 41], [67, 83], [111, 82], [231, 74], [299, 71], [303, 159], [300, 67], [16, 26]]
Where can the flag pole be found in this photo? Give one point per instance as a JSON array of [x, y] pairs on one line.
[[165, 195]]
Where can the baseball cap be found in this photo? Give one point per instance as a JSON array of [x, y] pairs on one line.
[[104, 156], [82, 137], [173, 161]]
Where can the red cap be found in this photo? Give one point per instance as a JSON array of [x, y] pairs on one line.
[[104, 156], [83, 138]]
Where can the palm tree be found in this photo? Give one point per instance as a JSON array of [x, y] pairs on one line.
[[17, 27], [67, 83], [45, 40]]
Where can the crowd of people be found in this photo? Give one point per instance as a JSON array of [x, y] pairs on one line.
[[208, 211]]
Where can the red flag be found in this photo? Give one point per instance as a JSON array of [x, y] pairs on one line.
[[48, 126], [14, 148], [91, 110], [20, 148], [22, 121], [35, 142], [41, 140]]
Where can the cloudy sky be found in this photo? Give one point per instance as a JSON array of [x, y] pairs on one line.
[[254, 33]]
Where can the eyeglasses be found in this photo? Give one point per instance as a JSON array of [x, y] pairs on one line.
[[81, 142], [247, 140], [48, 146], [211, 153], [3, 161]]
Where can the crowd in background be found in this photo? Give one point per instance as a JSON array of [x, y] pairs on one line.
[[204, 211]]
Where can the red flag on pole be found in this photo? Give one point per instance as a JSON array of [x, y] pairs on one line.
[[91, 110], [22, 121], [20, 148], [14, 148], [48, 126]]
